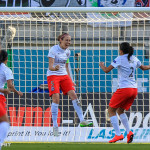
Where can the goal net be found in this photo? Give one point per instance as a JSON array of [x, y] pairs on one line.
[[28, 33]]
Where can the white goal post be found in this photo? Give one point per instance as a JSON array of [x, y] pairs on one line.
[[28, 33]]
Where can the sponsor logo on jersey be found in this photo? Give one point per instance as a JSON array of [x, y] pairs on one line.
[[114, 61], [67, 54]]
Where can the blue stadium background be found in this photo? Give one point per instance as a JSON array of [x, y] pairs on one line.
[[29, 76]]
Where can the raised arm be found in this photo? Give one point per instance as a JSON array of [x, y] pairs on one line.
[[12, 88], [51, 63], [142, 67], [5, 91], [105, 69]]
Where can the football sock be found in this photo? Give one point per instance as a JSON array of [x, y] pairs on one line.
[[54, 110], [115, 124], [124, 120], [78, 110], [4, 127]]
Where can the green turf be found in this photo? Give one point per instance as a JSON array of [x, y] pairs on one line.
[[76, 146]]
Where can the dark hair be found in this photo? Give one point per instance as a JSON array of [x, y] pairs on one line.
[[62, 36], [3, 56], [127, 49]]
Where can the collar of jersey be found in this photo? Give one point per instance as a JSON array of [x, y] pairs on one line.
[[3, 64], [125, 55], [60, 49]]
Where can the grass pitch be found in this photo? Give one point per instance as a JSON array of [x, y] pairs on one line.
[[76, 146]]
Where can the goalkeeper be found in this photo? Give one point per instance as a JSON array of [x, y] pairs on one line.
[[58, 77], [123, 98]]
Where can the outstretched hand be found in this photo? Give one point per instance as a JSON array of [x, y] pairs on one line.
[[101, 64], [20, 93]]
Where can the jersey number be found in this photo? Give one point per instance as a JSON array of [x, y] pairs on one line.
[[132, 69]]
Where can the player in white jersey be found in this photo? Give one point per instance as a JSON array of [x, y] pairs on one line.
[[123, 98], [6, 75], [58, 77]]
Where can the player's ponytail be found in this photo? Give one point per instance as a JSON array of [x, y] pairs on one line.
[[131, 50], [127, 49], [3, 56]]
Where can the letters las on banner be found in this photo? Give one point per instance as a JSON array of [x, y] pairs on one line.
[[73, 134], [27, 125], [109, 17]]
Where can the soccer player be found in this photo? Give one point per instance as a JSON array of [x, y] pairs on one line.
[[58, 77], [6, 75], [123, 98]]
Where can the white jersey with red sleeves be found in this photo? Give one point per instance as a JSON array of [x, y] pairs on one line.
[[5, 74], [60, 55], [126, 70]]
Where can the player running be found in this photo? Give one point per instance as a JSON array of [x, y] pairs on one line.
[[123, 98], [6, 75], [58, 77]]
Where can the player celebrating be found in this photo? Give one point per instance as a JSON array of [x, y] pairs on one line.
[[5, 76], [58, 77], [123, 98]]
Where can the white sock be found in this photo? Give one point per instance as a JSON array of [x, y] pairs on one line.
[[54, 110], [78, 110], [4, 127], [115, 124], [124, 120]]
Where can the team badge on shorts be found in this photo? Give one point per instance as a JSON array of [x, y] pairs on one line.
[[52, 89]]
